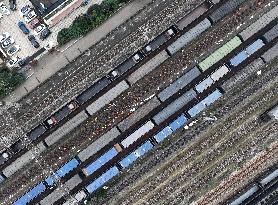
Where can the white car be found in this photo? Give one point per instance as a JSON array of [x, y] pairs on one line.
[[12, 63], [39, 29], [9, 41], [4, 36], [4, 9], [30, 16], [13, 50]]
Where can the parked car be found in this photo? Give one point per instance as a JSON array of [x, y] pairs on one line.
[[34, 23], [30, 16], [12, 5], [39, 29], [45, 33], [23, 28], [13, 50], [12, 63], [33, 41], [23, 62], [4, 36], [9, 41], [4, 9], [25, 10]]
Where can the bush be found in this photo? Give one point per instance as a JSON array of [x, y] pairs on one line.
[[95, 16], [9, 81]]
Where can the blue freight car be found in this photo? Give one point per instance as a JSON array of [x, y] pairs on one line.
[[104, 178], [61, 172], [133, 156], [103, 159]]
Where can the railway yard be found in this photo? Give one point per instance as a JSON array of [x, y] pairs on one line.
[[179, 105]]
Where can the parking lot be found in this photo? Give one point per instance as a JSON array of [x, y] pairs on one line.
[[9, 24]]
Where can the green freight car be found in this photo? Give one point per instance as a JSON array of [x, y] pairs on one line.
[[220, 53]]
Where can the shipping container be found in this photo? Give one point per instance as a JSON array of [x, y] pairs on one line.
[[126, 65], [205, 84], [92, 90], [36, 132], [259, 24], [66, 128], [219, 73], [139, 114], [107, 97], [98, 144], [220, 53], [159, 40], [271, 34], [60, 114], [188, 36], [99, 162], [58, 193], [137, 134], [271, 53], [61, 172], [31, 195], [148, 67], [133, 156], [225, 9], [24, 159], [178, 123], [211, 98], [193, 15], [104, 178], [174, 106], [179, 84], [163, 134]]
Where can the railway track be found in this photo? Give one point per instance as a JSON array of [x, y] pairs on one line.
[[61, 150], [156, 191], [151, 181]]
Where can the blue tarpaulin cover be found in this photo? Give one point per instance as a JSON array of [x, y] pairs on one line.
[[100, 161], [177, 123], [105, 177], [32, 194], [163, 134], [252, 48], [239, 58], [63, 171], [140, 151]]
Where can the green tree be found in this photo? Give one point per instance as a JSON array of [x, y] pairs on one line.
[[9, 81]]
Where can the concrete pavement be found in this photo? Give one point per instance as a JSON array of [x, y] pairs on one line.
[[51, 63]]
